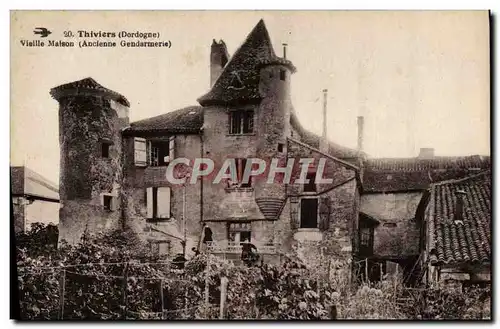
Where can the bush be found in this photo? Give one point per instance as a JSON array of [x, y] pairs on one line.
[[92, 274]]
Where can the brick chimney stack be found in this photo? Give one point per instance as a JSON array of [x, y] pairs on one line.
[[459, 208], [323, 144], [218, 59], [361, 124]]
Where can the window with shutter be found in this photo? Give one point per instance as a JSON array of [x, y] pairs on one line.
[[163, 199], [109, 202], [140, 152], [158, 202]]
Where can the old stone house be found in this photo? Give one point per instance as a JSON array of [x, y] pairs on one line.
[[35, 199], [114, 173]]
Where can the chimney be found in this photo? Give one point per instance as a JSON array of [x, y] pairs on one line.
[[361, 123], [218, 59], [426, 153], [459, 208], [323, 144], [284, 50]]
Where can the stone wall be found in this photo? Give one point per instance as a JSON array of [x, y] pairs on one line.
[[19, 213], [398, 234]]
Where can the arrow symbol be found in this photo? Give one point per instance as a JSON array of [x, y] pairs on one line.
[[42, 31]]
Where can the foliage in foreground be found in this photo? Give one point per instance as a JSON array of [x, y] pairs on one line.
[[92, 274]]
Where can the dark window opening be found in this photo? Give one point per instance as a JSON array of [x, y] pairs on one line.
[[105, 148], [240, 232], [107, 199], [282, 75], [390, 224], [365, 236], [281, 147], [309, 213], [311, 185], [240, 171], [241, 122], [155, 202], [159, 153]]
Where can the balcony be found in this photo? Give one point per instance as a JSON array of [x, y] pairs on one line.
[[224, 247]]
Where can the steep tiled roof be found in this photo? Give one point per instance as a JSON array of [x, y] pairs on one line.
[[187, 120], [27, 182], [312, 140], [466, 238], [87, 85], [405, 174], [243, 70]]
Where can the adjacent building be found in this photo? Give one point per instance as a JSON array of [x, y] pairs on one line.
[[35, 199], [455, 217]]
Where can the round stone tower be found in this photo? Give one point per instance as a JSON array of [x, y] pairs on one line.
[[91, 118], [274, 128]]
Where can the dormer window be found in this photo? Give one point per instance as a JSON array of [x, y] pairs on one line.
[[241, 122], [236, 82]]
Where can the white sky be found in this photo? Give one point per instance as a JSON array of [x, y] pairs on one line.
[[421, 79]]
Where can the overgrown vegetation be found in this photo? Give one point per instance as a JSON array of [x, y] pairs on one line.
[[111, 276]]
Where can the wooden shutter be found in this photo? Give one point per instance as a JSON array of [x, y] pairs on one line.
[[294, 213], [149, 200], [324, 213], [114, 203], [140, 152], [163, 202], [171, 147]]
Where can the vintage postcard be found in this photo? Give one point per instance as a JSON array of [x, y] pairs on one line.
[[223, 165]]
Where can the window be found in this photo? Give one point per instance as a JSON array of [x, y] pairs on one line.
[[154, 153], [311, 185], [281, 147], [105, 148], [240, 122], [159, 152], [365, 236], [239, 232], [240, 170], [309, 213], [160, 249], [282, 75], [158, 202], [107, 201]]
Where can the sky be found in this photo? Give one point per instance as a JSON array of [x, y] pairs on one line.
[[420, 79]]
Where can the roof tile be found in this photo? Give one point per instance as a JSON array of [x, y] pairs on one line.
[[457, 242]]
